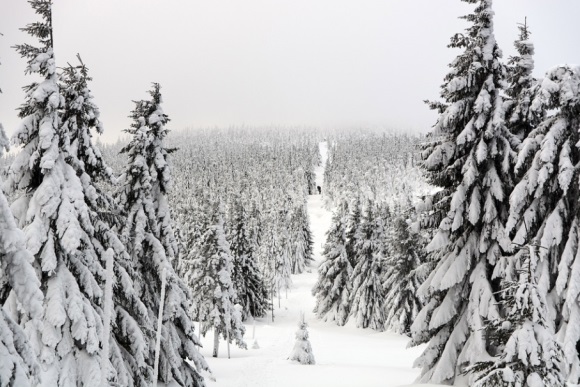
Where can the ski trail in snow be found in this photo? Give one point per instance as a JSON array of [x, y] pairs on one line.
[[345, 356]]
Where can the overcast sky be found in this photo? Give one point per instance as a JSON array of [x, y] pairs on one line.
[[317, 63]]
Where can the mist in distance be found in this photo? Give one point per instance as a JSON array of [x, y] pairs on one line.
[[324, 63]]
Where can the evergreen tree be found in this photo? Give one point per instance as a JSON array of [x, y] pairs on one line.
[[473, 151], [301, 239], [150, 242], [367, 298], [333, 287], [56, 222], [101, 217], [18, 362], [302, 351], [530, 356], [544, 205], [400, 279], [522, 86], [248, 283], [352, 225], [212, 287]]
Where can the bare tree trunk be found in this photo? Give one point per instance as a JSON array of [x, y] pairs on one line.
[[159, 325], [272, 303], [216, 341], [228, 341]]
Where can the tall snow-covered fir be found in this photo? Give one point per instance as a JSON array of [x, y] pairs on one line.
[[367, 298], [248, 282], [401, 278], [333, 287], [544, 207], [210, 279], [150, 242], [52, 211], [80, 118], [471, 159]]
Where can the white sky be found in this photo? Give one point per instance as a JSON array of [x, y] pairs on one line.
[[318, 63]]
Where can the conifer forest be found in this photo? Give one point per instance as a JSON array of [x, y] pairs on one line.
[[282, 256]]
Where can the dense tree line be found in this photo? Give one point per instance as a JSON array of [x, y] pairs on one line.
[[239, 199], [373, 257]]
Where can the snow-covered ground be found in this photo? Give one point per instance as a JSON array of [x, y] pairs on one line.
[[345, 356]]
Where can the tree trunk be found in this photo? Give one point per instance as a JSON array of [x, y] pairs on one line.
[[228, 341], [216, 341]]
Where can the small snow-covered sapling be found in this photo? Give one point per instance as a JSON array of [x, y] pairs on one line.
[[302, 351]]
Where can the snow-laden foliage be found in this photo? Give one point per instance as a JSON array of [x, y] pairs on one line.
[[150, 242], [529, 354], [402, 276], [333, 287], [210, 280], [544, 204], [18, 362], [470, 158], [302, 351], [376, 167], [522, 86], [380, 170], [79, 118], [58, 230], [367, 297], [248, 283]]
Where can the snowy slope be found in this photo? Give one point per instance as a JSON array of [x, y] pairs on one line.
[[345, 356]]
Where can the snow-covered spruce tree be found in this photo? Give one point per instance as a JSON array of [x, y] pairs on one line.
[[530, 356], [148, 236], [400, 279], [101, 215], [367, 299], [195, 220], [246, 277], [302, 351], [301, 239], [278, 253], [473, 152], [544, 208], [521, 88], [18, 362], [353, 222], [333, 287], [211, 283], [53, 215]]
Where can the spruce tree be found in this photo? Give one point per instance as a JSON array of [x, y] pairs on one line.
[[544, 207], [247, 279], [400, 278], [148, 236], [18, 361], [302, 351], [211, 283], [367, 299], [333, 287], [528, 352], [471, 160], [301, 239], [80, 118], [55, 219], [352, 225], [520, 117]]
